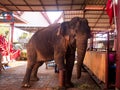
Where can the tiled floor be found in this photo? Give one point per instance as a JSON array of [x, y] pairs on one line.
[[11, 79]]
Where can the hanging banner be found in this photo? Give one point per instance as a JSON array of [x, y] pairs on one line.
[[109, 10]]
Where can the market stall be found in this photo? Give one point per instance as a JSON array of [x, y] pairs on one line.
[[102, 53]]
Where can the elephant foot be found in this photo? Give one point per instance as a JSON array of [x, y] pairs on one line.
[[26, 85], [69, 84], [33, 78]]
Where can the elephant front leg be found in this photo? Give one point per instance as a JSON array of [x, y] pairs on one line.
[[59, 59], [69, 69], [70, 58], [61, 76], [26, 80]]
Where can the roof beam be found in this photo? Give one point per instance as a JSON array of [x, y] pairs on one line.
[[99, 16], [28, 5], [84, 5], [42, 5], [71, 4], [95, 7], [57, 4], [3, 7], [12, 4], [56, 21], [46, 17]]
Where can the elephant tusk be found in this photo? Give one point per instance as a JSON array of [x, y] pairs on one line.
[[67, 38], [58, 32]]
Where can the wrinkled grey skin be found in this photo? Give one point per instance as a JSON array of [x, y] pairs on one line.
[[58, 42]]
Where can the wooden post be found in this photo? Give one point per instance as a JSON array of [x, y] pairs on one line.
[[0, 61], [12, 31]]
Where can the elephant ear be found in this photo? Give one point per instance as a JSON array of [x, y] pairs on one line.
[[64, 30], [84, 27]]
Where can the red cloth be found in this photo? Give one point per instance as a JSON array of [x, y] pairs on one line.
[[3, 45], [1, 49], [109, 9], [15, 54], [4, 49]]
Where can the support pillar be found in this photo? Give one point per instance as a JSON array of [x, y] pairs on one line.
[[117, 84]]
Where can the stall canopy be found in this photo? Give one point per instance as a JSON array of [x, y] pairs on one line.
[[16, 20], [93, 10]]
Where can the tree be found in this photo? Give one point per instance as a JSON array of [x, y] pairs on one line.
[[4, 30], [23, 36]]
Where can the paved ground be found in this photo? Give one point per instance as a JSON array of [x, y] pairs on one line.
[[11, 79]]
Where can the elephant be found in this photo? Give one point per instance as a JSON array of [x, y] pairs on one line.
[[58, 42]]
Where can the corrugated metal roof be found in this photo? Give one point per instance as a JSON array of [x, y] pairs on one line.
[[46, 5], [98, 20], [93, 10]]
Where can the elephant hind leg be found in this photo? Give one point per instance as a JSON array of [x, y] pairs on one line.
[[31, 60], [35, 70], [26, 80]]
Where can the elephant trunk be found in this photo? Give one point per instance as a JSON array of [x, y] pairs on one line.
[[81, 43]]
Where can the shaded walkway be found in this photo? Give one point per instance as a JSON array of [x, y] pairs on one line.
[[11, 79]]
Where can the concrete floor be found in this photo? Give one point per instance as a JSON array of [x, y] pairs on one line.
[[11, 79]]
